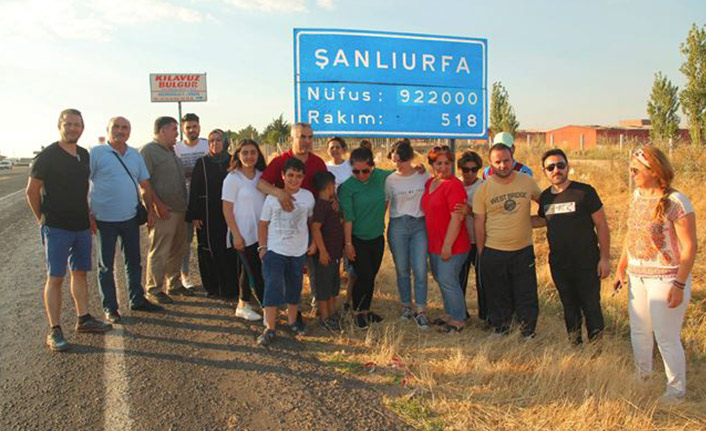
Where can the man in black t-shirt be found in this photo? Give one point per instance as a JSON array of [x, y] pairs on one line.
[[57, 193], [579, 245]]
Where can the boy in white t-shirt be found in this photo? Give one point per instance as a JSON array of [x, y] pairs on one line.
[[284, 237]]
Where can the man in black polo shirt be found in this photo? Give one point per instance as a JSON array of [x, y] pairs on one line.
[[579, 245], [57, 193]]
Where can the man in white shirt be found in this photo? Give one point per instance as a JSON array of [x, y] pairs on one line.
[[189, 151]]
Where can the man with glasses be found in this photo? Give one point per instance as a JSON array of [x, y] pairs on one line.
[[579, 245]]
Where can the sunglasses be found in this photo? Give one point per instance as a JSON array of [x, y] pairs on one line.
[[558, 165], [361, 171], [466, 169]]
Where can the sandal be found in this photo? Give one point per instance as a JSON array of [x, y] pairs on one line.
[[451, 329]]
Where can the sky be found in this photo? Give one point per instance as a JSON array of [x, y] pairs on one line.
[[562, 61]]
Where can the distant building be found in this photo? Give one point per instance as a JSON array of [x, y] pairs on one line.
[[531, 136], [632, 132]]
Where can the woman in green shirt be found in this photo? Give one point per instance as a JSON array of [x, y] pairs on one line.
[[362, 198]]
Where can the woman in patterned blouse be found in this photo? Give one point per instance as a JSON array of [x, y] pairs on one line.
[[659, 252]]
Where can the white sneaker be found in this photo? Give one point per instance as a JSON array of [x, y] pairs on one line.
[[247, 313], [186, 282]]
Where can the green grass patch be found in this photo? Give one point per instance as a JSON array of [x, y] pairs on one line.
[[417, 413]]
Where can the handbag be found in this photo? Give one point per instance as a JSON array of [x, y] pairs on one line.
[[141, 210]]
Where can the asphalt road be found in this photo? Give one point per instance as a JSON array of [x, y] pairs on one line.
[[193, 367]]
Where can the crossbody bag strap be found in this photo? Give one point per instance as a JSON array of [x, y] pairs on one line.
[[129, 175]]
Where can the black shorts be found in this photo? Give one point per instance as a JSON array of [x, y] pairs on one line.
[[328, 279]]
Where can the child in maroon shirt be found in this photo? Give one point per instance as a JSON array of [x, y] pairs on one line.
[[327, 230]]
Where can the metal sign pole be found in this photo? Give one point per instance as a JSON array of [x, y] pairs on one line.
[[452, 146], [181, 134]]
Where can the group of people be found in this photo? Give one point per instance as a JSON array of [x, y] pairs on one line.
[[260, 226]]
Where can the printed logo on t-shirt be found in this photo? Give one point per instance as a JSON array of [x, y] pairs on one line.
[[509, 200], [562, 208], [510, 205]]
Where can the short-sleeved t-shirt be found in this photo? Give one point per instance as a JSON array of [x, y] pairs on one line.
[[438, 206], [470, 192], [288, 232], [113, 191], [652, 245], [166, 175], [189, 155], [363, 204], [273, 173], [570, 230], [404, 194], [64, 199], [508, 226], [331, 227], [247, 202], [342, 172]]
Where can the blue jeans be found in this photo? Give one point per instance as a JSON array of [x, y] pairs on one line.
[[407, 237], [129, 233], [446, 274], [283, 279]]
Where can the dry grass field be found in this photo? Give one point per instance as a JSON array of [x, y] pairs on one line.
[[467, 382]]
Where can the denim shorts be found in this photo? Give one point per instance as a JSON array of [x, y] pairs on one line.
[[63, 246], [283, 279]]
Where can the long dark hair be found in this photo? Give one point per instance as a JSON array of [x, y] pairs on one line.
[[235, 159]]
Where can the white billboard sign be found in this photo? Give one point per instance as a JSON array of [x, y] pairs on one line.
[[178, 87]]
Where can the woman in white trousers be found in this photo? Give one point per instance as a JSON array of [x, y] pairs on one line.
[[656, 262]]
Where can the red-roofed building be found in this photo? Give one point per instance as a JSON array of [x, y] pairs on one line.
[[632, 132]]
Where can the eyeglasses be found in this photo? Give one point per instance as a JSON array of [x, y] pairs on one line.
[[559, 165], [466, 169], [361, 171]]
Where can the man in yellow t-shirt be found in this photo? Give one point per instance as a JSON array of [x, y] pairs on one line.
[[503, 228]]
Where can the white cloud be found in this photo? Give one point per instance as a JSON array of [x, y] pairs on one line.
[[84, 19], [325, 4], [270, 5], [283, 6]]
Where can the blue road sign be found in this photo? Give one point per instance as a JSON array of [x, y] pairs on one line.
[[349, 82]]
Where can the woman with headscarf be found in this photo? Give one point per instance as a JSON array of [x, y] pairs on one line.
[[218, 265]]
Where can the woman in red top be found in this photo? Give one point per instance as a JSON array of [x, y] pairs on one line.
[[448, 240]]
